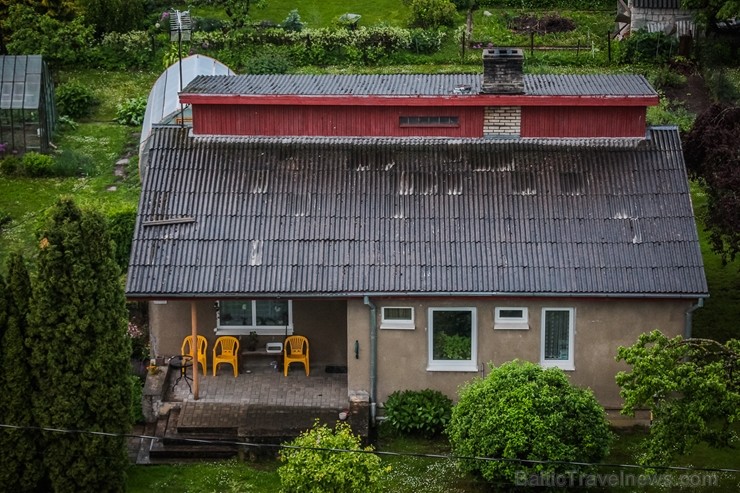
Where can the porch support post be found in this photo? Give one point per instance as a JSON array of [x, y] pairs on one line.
[[194, 347]]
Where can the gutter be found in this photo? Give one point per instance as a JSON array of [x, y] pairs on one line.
[[688, 322], [373, 358]]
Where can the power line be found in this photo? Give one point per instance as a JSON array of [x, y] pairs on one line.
[[375, 452]]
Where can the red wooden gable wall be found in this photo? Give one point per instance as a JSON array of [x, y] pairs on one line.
[[366, 121]]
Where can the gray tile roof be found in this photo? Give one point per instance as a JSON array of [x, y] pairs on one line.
[[657, 4], [230, 216], [416, 85]]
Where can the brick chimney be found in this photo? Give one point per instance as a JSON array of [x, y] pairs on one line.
[[502, 71]]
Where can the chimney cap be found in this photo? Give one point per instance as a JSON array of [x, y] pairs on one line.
[[504, 52]]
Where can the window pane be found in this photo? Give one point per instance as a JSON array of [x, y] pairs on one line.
[[518, 313], [235, 312], [452, 335], [272, 312], [557, 326], [397, 313]]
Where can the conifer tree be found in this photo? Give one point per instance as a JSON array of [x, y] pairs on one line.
[[21, 461], [79, 352]]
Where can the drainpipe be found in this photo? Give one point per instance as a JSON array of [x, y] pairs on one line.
[[689, 318], [373, 356]]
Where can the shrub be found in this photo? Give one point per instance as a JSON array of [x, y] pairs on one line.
[[72, 163], [75, 100], [5, 219], [418, 411], [431, 14], [133, 49], [270, 61], [121, 227], [521, 411], [131, 111], [670, 114], [10, 165], [310, 468], [293, 21], [137, 391], [38, 165], [426, 40], [643, 46]]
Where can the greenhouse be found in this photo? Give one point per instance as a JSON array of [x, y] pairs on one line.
[[27, 112]]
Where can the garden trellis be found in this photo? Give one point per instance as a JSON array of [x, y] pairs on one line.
[[27, 110]]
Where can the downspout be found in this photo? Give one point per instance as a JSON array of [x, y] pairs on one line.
[[689, 318], [373, 357]]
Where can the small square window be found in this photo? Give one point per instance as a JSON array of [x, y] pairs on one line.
[[397, 317], [511, 318]]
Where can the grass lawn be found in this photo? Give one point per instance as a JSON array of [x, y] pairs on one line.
[[409, 473]]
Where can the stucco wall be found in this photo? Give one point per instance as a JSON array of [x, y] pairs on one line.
[[323, 322], [600, 327]]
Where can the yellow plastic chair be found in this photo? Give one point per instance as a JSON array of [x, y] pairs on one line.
[[229, 353], [295, 350], [202, 346]]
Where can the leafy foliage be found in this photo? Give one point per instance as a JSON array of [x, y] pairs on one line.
[[36, 164], [75, 100], [121, 226], [455, 346], [60, 43], [418, 411], [310, 467], [712, 153], [432, 14], [113, 15], [644, 46], [131, 111], [692, 387], [21, 461], [521, 411], [293, 21], [668, 113], [80, 352], [132, 49]]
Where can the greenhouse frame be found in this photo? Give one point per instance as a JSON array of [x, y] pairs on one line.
[[27, 110]]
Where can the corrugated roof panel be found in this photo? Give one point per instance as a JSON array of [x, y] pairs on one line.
[[327, 227]]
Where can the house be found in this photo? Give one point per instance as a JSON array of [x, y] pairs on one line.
[[665, 16], [416, 228], [27, 110]]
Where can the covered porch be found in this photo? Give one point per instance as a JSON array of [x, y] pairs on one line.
[[259, 406]]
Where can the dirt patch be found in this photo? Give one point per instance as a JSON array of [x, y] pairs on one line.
[[551, 23], [693, 94]]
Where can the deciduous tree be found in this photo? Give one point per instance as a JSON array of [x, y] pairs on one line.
[[691, 386], [712, 153], [80, 353]]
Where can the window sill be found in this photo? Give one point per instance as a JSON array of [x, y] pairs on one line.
[[469, 367], [511, 326], [387, 326], [563, 365]]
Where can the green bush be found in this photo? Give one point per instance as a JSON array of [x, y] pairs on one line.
[[521, 411], [10, 165], [73, 163], [75, 100], [121, 228], [131, 111], [418, 411], [670, 114], [644, 46], [426, 41], [311, 468], [37, 165], [133, 49], [137, 391], [5, 219], [432, 14], [721, 87], [293, 21], [269, 61]]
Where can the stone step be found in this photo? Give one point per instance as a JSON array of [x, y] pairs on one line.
[[171, 445]]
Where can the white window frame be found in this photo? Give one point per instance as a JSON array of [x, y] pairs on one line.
[[263, 330], [397, 324], [564, 364], [501, 322], [453, 365]]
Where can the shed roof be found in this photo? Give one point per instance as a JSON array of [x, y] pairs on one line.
[[20, 81], [614, 85], [251, 216]]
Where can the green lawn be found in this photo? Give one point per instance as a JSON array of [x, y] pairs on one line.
[[409, 473]]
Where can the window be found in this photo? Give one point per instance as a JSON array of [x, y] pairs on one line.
[[511, 319], [557, 338], [398, 317], [429, 121], [266, 317], [452, 342]]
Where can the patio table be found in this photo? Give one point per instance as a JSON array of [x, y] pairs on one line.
[[182, 362]]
